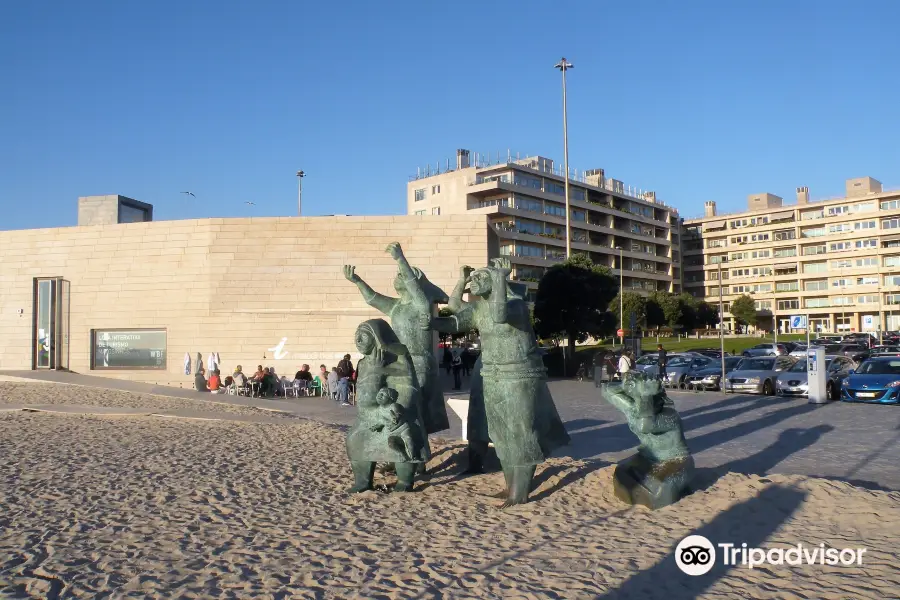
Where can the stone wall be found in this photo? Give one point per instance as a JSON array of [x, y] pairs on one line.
[[235, 286]]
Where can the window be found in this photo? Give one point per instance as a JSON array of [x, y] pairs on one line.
[[813, 232], [435, 189], [840, 246], [436, 210], [834, 211], [554, 210], [739, 239], [892, 299], [813, 250], [717, 259], [504, 178], [761, 271], [740, 272], [890, 205], [579, 215], [841, 283], [892, 280], [759, 237], [420, 194], [759, 220], [867, 281], [760, 254], [815, 286], [530, 182], [527, 204], [811, 214], [128, 349], [420, 212], [493, 202], [788, 304], [737, 223], [719, 243], [817, 267], [864, 225], [890, 223], [785, 234], [841, 264], [816, 302], [785, 252], [866, 243], [842, 301], [787, 286], [763, 305], [862, 207], [551, 187], [738, 255], [576, 193], [869, 299], [129, 213], [838, 228], [867, 262], [891, 261]]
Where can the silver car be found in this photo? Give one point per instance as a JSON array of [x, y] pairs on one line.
[[683, 365], [766, 350], [794, 382], [757, 375]]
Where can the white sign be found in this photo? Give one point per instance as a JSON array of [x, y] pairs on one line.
[[868, 322], [798, 321]]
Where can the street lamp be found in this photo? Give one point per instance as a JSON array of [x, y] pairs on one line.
[[621, 296], [300, 176], [721, 332], [563, 65]]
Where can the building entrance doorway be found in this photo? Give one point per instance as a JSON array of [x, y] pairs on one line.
[[50, 327]]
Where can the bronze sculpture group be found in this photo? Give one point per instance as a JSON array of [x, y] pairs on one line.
[[400, 400], [517, 413]]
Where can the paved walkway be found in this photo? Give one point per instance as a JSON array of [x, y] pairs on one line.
[[747, 434]]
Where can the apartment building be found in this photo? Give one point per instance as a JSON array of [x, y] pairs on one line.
[[617, 226], [836, 261]]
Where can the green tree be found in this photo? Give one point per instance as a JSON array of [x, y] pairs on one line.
[[687, 311], [571, 300], [744, 310], [656, 316], [633, 304], [707, 315]]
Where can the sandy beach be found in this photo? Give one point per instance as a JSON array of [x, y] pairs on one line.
[[142, 506]]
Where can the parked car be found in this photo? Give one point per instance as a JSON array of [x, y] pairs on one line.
[[711, 352], [884, 351], [857, 352], [710, 378], [863, 339], [794, 382], [876, 380], [757, 375], [824, 340], [649, 363], [766, 350], [681, 366], [799, 351]]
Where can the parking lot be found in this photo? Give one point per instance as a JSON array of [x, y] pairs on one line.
[[750, 434]]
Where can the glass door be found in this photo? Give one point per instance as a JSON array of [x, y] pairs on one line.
[[50, 345]]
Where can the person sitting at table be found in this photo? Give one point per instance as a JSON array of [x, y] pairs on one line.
[[303, 378], [268, 383], [200, 381], [215, 382], [240, 380], [260, 372]]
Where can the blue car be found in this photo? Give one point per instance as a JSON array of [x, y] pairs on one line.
[[876, 380]]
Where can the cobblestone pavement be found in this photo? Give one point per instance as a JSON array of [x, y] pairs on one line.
[[758, 435]]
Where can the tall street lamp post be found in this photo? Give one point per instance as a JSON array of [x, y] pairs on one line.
[[721, 332], [300, 176], [563, 65], [621, 297]]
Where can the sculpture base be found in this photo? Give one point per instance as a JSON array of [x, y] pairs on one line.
[[637, 480]]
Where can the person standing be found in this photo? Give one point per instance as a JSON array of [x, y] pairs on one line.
[[448, 360], [624, 363], [661, 361], [457, 369], [345, 373]]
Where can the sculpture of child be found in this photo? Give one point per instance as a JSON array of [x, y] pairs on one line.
[[389, 417]]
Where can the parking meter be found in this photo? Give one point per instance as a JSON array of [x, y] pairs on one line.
[[816, 375]]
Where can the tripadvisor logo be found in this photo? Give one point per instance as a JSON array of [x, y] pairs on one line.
[[696, 555]]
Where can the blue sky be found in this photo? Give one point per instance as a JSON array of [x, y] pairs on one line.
[[697, 100]]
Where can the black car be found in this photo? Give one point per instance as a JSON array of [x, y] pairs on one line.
[[710, 352], [857, 352], [863, 339]]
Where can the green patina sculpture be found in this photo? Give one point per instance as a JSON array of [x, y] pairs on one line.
[[521, 417], [417, 299], [389, 423], [660, 472]]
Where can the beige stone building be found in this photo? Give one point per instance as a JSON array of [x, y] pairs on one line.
[[524, 201], [129, 299], [836, 261]]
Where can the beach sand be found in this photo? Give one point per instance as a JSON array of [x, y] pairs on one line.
[[146, 507]]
